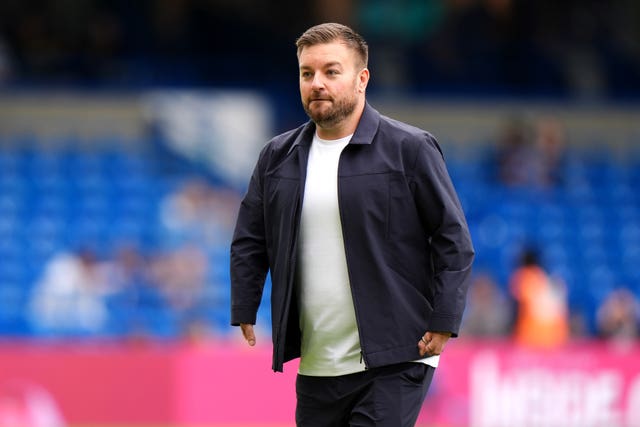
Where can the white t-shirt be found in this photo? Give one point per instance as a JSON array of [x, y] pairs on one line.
[[330, 340]]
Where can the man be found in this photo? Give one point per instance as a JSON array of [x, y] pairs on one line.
[[542, 318], [356, 218]]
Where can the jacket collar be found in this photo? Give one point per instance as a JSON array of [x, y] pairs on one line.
[[367, 127], [366, 130]]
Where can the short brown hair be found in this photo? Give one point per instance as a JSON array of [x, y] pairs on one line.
[[330, 32]]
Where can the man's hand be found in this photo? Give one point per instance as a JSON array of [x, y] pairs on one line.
[[432, 343], [247, 332]]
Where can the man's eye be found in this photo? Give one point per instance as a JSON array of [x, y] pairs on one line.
[[332, 72], [306, 74]]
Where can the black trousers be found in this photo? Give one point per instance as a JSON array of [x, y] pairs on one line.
[[390, 396]]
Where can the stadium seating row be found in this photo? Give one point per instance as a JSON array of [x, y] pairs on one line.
[[587, 227]]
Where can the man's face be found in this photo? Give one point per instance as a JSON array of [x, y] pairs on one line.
[[330, 83]]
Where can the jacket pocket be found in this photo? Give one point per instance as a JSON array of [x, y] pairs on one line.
[[402, 218]]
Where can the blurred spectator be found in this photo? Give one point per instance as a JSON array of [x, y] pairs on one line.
[[129, 295], [530, 156], [130, 268], [549, 138], [199, 212], [69, 297], [542, 314], [181, 275], [618, 317], [137, 297], [517, 160], [488, 313], [197, 221]]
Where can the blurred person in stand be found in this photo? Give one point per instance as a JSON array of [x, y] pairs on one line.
[[542, 319], [488, 313], [618, 316], [550, 142], [517, 160], [356, 218], [198, 219], [137, 292], [181, 275], [199, 212], [530, 154], [70, 296]]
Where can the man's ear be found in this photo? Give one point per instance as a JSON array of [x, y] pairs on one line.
[[363, 79]]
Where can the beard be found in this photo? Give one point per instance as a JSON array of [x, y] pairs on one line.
[[330, 116]]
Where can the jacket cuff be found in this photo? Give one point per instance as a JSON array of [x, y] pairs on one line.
[[243, 314], [444, 323]]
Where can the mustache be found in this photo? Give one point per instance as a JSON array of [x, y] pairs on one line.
[[318, 96]]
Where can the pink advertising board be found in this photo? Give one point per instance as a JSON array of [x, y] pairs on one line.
[[171, 384], [478, 384], [496, 384]]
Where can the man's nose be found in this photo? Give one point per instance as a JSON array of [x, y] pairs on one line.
[[317, 82]]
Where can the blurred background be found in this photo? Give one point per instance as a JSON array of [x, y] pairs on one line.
[[128, 131]]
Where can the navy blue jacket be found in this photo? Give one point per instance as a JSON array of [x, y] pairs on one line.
[[407, 243]]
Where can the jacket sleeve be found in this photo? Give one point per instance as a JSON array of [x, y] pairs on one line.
[[451, 248], [249, 263]]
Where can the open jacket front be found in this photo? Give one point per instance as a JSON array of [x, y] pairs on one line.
[[407, 243]]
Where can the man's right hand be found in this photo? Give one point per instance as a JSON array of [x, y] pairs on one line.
[[247, 332]]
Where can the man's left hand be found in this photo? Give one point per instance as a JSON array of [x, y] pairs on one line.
[[432, 343]]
